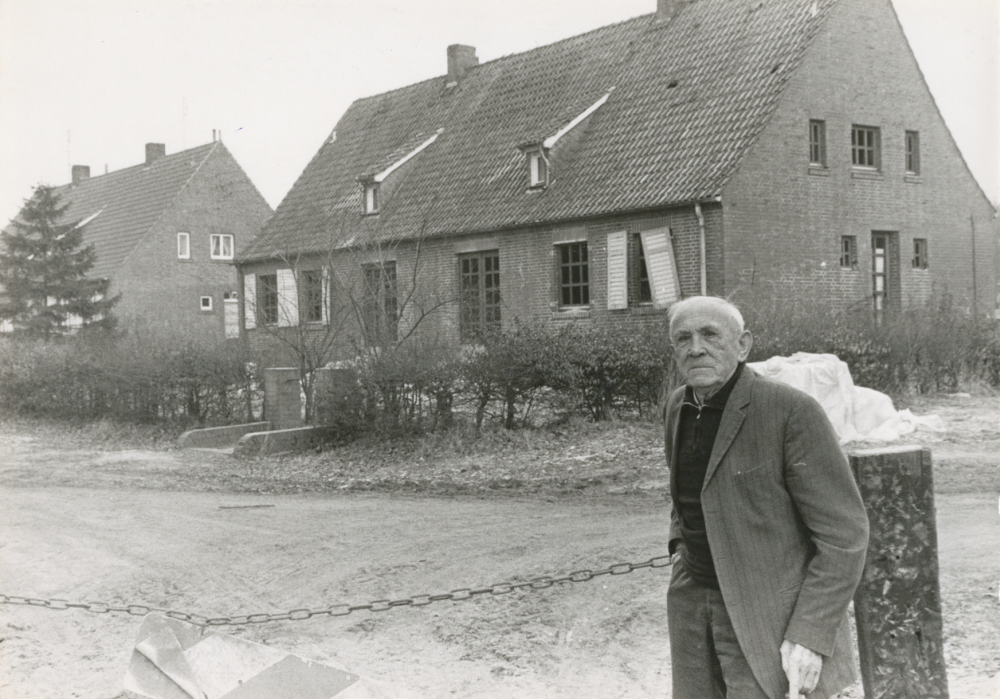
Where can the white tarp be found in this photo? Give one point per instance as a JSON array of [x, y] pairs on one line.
[[857, 413]]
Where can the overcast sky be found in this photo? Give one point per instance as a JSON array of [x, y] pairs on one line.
[[90, 82]]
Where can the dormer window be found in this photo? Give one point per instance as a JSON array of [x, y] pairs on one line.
[[537, 152], [371, 197], [370, 182], [538, 166]]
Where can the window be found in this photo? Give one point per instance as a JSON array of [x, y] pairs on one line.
[[267, 299], [222, 246], [311, 299], [574, 275], [206, 303], [849, 251], [817, 143], [539, 166], [920, 253], [865, 147], [912, 153], [183, 246], [645, 292], [379, 309], [479, 303], [371, 197]]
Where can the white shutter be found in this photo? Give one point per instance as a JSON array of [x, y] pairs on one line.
[[661, 267], [231, 318], [326, 296], [617, 270], [249, 300], [288, 299]]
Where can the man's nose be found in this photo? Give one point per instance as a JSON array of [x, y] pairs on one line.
[[697, 346]]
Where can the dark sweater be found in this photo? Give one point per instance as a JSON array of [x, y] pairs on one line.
[[695, 438]]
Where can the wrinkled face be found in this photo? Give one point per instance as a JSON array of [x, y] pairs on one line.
[[708, 344]]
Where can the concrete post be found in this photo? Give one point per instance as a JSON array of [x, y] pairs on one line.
[[283, 398], [898, 603]]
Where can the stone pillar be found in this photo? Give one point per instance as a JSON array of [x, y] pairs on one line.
[[283, 398], [898, 603]]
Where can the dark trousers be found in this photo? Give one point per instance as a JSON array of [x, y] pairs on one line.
[[705, 657]]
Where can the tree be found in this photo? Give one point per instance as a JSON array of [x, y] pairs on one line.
[[46, 292]]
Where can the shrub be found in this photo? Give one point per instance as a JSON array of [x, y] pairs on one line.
[[136, 377], [936, 346], [620, 370]]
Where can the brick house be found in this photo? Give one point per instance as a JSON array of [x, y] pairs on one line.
[[756, 149], [166, 233]]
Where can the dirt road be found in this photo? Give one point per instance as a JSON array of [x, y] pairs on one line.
[[195, 552], [182, 551], [128, 533]]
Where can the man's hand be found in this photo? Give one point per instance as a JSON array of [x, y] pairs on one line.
[[801, 666]]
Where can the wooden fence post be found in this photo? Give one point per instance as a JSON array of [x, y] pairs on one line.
[[898, 603]]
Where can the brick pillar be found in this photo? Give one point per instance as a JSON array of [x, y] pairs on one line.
[[898, 603], [283, 398]]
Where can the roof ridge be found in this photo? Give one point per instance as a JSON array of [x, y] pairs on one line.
[[163, 211], [507, 56], [141, 165]]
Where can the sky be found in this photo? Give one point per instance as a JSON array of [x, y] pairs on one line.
[[90, 82]]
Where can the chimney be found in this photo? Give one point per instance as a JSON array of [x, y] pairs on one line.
[[154, 151], [461, 59], [667, 9], [80, 173]]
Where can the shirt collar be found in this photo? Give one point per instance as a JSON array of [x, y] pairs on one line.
[[720, 397]]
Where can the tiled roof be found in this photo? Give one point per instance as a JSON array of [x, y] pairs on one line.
[[690, 96], [128, 202]]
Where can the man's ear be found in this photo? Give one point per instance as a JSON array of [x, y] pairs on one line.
[[745, 343]]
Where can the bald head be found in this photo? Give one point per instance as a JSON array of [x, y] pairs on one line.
[[710, 304]]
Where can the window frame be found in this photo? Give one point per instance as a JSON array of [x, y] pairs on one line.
[[868, 148], [920, 258], [186, 237], [643, 287], [202, 305], [911, 140], [817, 143], [222, 238], [266, 305], [849, 252], [380, 304], [311, 293], [482, 314], [370, 198], [566, 284], [538, 169]]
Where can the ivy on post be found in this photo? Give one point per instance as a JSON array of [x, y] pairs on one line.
[[898, 603]]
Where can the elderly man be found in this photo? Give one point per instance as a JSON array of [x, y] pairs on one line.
[[768, 532]]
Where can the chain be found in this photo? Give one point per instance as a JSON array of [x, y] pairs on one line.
[[381, 605]]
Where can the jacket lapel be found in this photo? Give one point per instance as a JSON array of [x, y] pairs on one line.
[[732, 420], [672, 425]]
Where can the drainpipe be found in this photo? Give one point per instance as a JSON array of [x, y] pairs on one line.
[[975, 290], [701, 245]]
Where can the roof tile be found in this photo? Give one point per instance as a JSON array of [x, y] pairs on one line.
[[690, 97]]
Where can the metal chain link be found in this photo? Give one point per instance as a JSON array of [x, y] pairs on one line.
[[381, 605]]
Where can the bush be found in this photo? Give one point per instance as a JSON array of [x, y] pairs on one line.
[[620, 370], [133, 378], [933, 347]]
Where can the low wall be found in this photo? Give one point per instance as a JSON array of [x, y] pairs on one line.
[[217, 437], [275, 441]]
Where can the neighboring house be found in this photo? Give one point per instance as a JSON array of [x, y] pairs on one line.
[[166, 233], [762, 150]]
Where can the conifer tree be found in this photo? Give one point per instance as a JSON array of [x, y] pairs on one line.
[[45, 291]]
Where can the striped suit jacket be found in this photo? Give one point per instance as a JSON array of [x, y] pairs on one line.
[[786, 526]]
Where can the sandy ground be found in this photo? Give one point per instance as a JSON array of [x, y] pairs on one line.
[[208, 553]]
